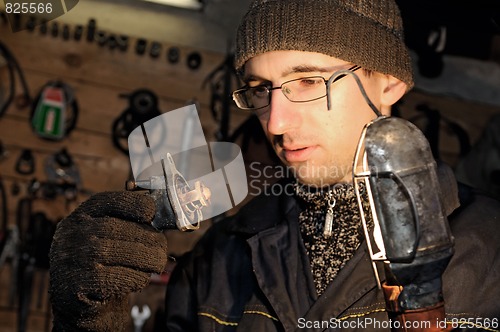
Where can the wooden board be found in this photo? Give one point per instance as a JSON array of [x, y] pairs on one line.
[[97, 76]]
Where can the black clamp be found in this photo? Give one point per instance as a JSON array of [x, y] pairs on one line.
[[77, 34], [140, 46], [91, 30], [143, 106], [155, 50], [173, 54], [194, 60], [25, 163]]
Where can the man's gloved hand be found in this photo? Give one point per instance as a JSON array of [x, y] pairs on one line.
[[100, 253]]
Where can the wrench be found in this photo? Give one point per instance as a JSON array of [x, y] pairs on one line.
[[11, 251], [140, 317]]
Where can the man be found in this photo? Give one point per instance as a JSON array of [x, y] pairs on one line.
[[277, 265]]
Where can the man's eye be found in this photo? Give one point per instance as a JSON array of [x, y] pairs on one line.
[[260, 91], [310, 81]]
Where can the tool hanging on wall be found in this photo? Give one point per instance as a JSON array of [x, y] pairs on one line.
[[112, 42], [3, 152], [25, 164], [43, 27], [3, 17], [173, 54], [91, 29], [122, 42], [13, 68], [65, 32], [221, 83], [437, 124], [101, 37], [194, 60], [16, 19], [3, 215], [155, 50], [143, 106], [10, 253], [55, 111], [54, 31], [140, 46], [77, 34], [19, 235], [15, 188], [63, 174], [31, 23], [36, 232]]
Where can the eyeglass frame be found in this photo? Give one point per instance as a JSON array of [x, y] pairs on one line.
[[270, 89]]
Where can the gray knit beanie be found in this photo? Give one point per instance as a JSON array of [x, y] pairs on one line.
[[368, 33]]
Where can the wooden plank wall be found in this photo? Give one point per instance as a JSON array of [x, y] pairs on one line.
[[471, 116], [97, 75]]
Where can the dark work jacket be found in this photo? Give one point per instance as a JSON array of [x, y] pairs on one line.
[[251, 273]]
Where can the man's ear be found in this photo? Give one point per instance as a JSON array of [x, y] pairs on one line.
[[393, 90]]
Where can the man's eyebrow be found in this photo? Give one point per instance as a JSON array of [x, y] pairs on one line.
[[307, 69], [297, 69]]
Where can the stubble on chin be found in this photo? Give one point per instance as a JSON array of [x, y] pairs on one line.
[[312, 174]]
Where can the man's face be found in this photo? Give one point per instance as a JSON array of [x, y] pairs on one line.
[[317, 144]]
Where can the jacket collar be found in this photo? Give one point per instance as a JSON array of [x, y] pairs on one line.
[[266, 210], [261, 212]]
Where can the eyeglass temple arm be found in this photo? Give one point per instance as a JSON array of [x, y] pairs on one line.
[[336, 75]]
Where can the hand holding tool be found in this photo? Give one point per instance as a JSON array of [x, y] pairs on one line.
[[103, 251], [410, 227]]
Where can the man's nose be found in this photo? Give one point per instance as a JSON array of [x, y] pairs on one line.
[[282, 115]]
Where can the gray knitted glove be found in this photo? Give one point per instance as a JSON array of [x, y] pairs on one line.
[[102, 252]]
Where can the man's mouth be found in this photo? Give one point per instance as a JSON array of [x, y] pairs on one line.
[[297, 154]]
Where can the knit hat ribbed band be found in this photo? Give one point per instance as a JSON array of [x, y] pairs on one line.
[[364, 32]]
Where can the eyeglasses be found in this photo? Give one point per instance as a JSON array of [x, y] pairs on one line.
[[299, 90]]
